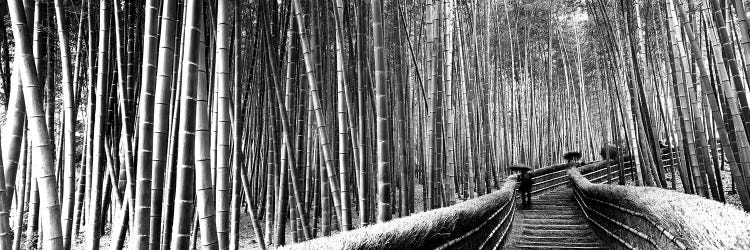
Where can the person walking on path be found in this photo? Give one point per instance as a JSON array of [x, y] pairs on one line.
[[525, 187]]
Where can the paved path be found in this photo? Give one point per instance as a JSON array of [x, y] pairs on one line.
[[554, 221]]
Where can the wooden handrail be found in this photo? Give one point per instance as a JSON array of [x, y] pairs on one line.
[[653, 222], [582, 199], [438, 228], [603, 228], [585, 207], [508, 215], [452, 242]]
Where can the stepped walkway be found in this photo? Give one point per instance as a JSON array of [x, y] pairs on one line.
[[554, 221], [572, 208]]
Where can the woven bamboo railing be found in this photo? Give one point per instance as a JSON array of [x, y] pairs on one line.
[[473, 224], [654, 218]]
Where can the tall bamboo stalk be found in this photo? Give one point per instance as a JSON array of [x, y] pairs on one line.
[[186, 175], [45, 173]]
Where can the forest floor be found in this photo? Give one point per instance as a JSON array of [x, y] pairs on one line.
[[731, 197], [247, 234]]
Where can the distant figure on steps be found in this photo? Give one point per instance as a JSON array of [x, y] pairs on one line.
[[525, 188], [524, 184]]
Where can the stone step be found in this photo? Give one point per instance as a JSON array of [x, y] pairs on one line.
[[554, 207], [559, 192], [555, 220], [562, 244], [566, 197], [560, 216], [556, 200], [542, 210], [558, 232], [555, 226], [561, 199], [520, 246], [558, 239], [554, 197]]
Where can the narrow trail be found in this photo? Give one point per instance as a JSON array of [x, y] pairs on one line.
[[554, 222]]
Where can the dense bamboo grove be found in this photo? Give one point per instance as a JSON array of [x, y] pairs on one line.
[[680, 70], [178, 123]]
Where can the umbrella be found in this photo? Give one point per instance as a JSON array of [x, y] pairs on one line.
[[520, 167], [572, 155]]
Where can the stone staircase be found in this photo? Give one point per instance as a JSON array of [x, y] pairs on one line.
[[554, 221]]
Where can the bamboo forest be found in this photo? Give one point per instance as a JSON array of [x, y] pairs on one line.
[[351, 124]]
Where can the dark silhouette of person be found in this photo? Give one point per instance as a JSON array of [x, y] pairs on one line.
[[525, 187]]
